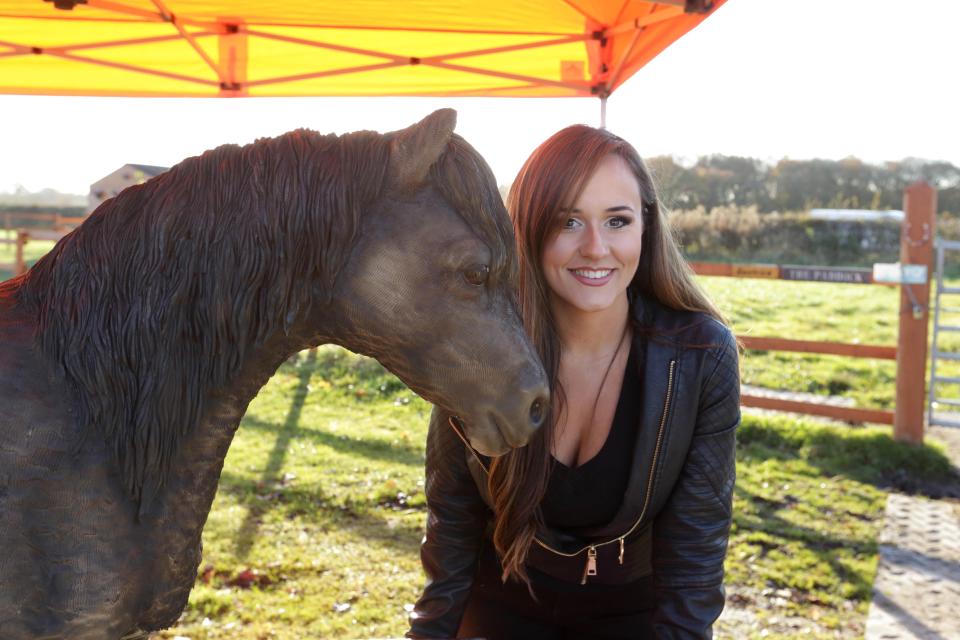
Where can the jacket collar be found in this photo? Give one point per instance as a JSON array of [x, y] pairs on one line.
[[658, 343]]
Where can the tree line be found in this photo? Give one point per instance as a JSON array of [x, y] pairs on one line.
[[799, 185]]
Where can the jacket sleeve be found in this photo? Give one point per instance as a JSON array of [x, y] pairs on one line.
[[456, 517], [690, 533]]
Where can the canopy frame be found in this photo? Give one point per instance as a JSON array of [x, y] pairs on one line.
[[229, 78]]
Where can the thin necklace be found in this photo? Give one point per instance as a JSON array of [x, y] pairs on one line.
[[603, 380]]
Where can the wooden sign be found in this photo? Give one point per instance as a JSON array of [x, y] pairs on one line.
[[827, 274], [755, 271]]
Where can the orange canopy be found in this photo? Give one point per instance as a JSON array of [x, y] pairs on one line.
[[209, 48]]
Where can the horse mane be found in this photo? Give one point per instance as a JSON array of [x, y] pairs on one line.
[[153, 302]]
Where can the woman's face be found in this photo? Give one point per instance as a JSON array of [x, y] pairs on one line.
[[594, 253]]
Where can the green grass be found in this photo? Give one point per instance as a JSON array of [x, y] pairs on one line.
[[808, 509], [855, 314], [316, 527], [321, 496]]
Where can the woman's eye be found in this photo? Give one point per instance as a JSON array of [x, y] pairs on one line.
[[571, 223], [477, 274], [619, 221]]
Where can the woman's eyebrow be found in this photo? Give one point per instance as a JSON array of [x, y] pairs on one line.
[[613, 209]]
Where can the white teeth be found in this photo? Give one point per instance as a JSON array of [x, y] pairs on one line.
[[593, 274]]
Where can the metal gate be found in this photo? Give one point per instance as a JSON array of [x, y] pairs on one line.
[[944, 410]]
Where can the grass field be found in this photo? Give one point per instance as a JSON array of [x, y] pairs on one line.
[[316, 527], [855, 314]]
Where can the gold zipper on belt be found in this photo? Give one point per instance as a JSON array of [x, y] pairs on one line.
[[590, 569]]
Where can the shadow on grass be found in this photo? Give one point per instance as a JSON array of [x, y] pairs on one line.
[[822, 545], [372, 448], [863, 455], [290, 428], [368, 524]]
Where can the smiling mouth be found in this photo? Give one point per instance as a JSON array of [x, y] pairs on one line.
[[592, 277], [592, 274]]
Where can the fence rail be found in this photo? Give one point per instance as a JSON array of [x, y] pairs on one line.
[[12, 220], [848, 414], [880, 352]]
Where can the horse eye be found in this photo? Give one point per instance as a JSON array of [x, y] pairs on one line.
[[477, 274]]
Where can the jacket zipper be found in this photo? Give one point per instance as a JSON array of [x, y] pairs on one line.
[[590, 568]]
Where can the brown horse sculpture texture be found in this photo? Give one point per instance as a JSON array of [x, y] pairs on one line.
[[129, 353]]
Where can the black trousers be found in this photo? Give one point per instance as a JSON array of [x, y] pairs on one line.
[[561, 611]]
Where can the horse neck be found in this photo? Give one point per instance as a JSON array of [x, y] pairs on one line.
[[178, 515], [202, 452]]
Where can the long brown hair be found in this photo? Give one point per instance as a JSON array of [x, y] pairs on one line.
[[550, 181]]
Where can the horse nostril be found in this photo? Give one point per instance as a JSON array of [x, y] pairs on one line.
[[538, 412]]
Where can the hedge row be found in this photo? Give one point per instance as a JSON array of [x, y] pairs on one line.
[[733, 234]]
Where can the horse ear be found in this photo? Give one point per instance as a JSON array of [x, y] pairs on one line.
[[414, 150]]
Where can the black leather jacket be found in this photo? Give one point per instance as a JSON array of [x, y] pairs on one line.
[[675, 518]]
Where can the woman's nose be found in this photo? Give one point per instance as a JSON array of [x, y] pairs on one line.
[[594, 244]]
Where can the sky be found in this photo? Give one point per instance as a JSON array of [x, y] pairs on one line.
[[874, 79]]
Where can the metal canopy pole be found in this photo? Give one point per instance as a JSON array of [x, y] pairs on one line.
[[603, 112]]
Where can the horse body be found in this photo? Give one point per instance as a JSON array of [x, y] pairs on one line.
[[70, 534], [56, 495], [70, 531], [103, 499]]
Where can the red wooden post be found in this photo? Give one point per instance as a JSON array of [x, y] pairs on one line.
[[916, 247], [21, 265]]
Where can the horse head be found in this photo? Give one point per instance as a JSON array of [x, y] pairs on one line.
[[429, 289]]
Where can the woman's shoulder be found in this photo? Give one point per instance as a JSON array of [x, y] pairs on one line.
[[690, 328]]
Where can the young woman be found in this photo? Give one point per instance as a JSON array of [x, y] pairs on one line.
[[613, 521]]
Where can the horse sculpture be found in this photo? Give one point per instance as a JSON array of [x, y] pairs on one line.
[[129, 353]]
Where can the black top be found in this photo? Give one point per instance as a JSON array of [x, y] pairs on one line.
[[590, 495]]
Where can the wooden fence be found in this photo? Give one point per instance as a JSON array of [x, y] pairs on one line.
[[43, 226], [13, 220], [19, 265], [916, 247], [7, 266]]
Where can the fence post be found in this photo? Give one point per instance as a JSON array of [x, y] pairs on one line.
[[21, 266], [916, 247]]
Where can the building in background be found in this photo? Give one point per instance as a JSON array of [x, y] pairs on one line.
[[112, 184]]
